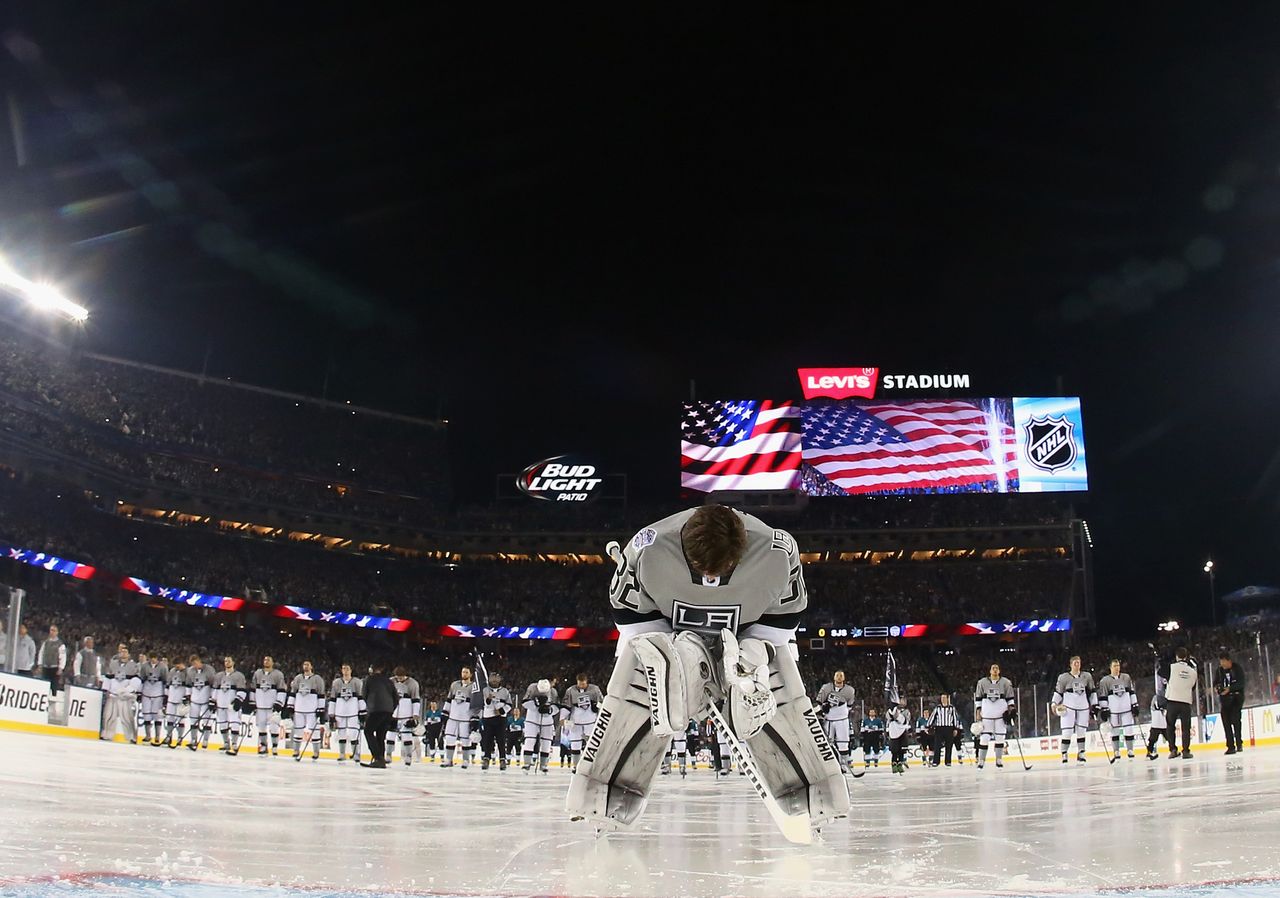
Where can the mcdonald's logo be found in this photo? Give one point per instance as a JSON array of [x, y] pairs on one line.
[[1268, 722]]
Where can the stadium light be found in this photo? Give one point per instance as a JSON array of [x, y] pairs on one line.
[[1213, 592], [1169, 626], [43, 296]]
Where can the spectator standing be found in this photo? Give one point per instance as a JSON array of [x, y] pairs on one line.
[[380, 699], [25, 656], [86, 667], [53, 658], [1231, 689], [1179, 695], [1275, 690]]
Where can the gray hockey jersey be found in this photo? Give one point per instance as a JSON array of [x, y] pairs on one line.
[[306, 694], [835, 701], [1119, 692], [121, 677], [408, 699], [268, 688], [583, 705], [228, 687], [655, 590], [457, 702], [1076, 691], [993, 690], [154, 676], [497, 701], [540, 703]]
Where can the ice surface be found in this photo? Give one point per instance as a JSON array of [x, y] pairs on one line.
[[108, 819]]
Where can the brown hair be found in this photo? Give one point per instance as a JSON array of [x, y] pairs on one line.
[[714, 540]]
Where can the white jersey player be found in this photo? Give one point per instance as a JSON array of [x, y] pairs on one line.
[[268, 698], [307, 710], [175, 703], [346, 712], [200, 709], [457, 709], [578, 711], [154, 675], [1074, 697], [229, 695], [121, 683], [994, 706], [1121, 708], [540, 710], [407, 716], [703, 579], [834, 700]]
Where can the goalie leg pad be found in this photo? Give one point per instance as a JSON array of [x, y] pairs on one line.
[[675, 671], [794, 757], [623, 751]]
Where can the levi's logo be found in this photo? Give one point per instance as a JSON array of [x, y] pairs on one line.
[[838, 383]]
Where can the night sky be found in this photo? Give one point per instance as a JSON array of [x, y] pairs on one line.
[[544, 228]]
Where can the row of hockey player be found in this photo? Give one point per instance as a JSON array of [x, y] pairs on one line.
[[188, 702]]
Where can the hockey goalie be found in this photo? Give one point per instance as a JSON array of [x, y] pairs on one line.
[[706, 603]]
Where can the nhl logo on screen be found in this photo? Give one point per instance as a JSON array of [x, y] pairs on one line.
[[1051, 444], [561, 478]]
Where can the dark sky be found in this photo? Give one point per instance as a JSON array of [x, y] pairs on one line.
[[547, 226]]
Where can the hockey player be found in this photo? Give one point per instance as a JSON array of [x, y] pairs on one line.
[[269, 695], [872, 733], [432, 733], [154, 675], [707, 580], [407, 716], [306, 706], [834, 699], [175, 703], [581, 706], [121, 684], [994, 706], [515, 732], [1121, 708], [497, 702], [199, 703], [457, 710], [1074, 696], [539, 724], [229, 696], [346, 712]]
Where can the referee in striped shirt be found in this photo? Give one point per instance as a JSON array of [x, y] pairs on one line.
[[943, 724]]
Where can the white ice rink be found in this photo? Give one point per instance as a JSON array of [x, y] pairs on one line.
[[84, 817]]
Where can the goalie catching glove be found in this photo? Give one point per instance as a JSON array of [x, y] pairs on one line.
[[750, 703]]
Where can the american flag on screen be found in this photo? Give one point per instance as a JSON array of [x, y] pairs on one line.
[[933, 445], [746, 444]]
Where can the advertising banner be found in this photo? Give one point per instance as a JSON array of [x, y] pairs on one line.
[[84, 710], [24, 699]]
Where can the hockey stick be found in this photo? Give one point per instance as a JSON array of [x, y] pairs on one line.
[[1022, 757], [795, 828]]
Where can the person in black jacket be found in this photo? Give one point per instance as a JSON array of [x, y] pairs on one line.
[[380, 701], [1231, 688]]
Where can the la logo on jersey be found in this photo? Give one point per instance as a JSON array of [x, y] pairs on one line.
[[705, 618]]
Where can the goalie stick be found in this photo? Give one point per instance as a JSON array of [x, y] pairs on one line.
[[795, 828]]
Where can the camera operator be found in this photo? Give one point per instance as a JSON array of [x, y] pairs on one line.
[[1231, 689], [1180, 694]]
